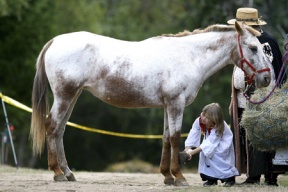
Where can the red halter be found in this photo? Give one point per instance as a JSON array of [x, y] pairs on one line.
[[244, 60]]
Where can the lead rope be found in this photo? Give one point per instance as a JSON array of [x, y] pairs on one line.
[[279, 79]]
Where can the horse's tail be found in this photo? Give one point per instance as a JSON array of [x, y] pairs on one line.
[[40, 104]]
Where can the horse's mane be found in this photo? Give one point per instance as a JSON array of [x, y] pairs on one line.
[[212, 28]]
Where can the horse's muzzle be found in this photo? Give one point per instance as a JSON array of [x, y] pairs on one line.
[[263, 80], [267, 80]]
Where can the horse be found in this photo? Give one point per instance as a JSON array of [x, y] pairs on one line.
[[164, 71]]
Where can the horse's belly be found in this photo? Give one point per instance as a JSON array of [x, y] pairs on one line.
[[130, 102], [128, 98], [126, 103]]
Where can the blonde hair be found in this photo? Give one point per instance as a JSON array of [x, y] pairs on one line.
[[214, 113]]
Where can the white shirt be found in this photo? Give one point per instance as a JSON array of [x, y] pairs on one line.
[[239, 84], [217, 158]]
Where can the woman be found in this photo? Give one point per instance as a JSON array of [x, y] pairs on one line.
[[217, 158]]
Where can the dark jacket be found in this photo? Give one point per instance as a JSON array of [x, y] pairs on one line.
[[277, 55]]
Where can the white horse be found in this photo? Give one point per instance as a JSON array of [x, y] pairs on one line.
[[159, 72]]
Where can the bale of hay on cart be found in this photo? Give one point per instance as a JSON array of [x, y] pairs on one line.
[[267, 123]]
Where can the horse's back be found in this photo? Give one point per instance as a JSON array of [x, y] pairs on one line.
[[81, 53]]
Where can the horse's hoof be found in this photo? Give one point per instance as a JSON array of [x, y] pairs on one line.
[[169, 181], [181, 182], [60, 178], [71, 177], [183, 157]]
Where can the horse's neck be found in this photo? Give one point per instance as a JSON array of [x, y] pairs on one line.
[[217, 51]]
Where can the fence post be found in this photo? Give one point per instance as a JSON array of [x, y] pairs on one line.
[[9, 132]]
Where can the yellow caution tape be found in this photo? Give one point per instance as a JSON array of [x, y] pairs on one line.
[[15, 103], [114, 133], [136, 136]]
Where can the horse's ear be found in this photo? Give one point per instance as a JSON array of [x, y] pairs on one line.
[[239, 28]]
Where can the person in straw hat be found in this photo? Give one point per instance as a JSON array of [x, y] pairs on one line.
[[248, 159]]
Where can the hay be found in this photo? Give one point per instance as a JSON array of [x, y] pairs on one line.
[[267, 123]]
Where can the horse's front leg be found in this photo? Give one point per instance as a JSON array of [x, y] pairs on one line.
[[175, 166], [175, 109], [166, 154]]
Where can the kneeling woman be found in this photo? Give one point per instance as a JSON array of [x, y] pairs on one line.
[[217, 158]]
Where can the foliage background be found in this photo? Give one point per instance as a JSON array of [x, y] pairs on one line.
[[26, 25]]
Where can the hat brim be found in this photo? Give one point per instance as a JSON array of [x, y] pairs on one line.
[[260, 22]]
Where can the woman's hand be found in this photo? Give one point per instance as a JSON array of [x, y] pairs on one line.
[[189, 152]]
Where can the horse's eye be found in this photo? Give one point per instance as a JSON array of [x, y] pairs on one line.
[[253, 48]]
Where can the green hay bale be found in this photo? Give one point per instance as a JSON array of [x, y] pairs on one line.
[[267, 123]]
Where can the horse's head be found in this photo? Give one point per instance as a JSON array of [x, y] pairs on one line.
[[253, 60]]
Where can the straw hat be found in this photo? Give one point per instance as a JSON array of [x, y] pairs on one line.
[[249, 16]]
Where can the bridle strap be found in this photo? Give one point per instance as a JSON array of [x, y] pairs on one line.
[[244, 60]]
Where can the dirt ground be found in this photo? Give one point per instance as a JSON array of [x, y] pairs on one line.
[[22, 179]]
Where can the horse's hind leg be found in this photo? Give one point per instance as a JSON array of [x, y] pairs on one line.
[[60, 146], [55, 127], [51, 135]]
